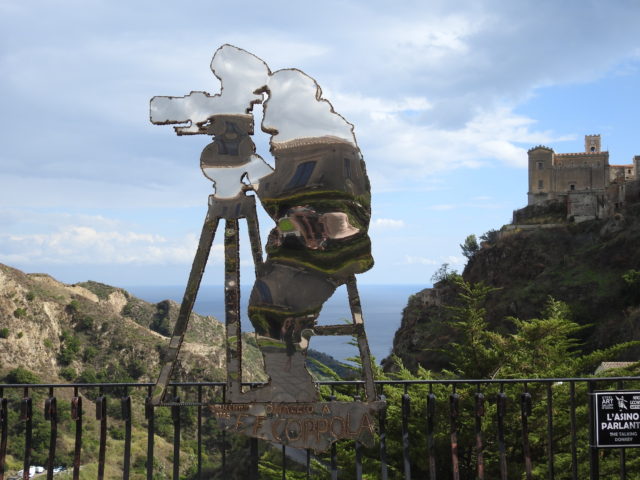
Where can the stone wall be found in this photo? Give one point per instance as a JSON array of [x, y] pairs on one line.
[[586, 205], [632, 191]]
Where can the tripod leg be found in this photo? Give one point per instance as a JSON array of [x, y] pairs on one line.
[[254, 235], [232, 308], [193, 285], [363, 344]]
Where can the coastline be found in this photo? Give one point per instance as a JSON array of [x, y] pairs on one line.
[[382, 307]]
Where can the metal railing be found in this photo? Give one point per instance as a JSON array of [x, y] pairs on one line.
[[484, 429]]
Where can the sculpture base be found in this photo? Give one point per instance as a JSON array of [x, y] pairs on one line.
[[302, 425]]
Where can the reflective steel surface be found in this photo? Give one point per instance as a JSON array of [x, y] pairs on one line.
[[318, 196]]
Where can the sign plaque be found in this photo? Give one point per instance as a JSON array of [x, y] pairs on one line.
[[617, 419], [301, 425]]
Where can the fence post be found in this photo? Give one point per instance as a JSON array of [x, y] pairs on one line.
[[406, 407], [76, 416], [3, 432], [26, 415], [594, 466], [501, 411], [453, 416], [479, 413], [431, 416]]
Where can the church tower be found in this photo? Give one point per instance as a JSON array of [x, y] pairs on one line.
[[592, 143]]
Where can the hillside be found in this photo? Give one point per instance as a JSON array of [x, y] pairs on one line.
[[94, 332], [89, 332], [593, 266]]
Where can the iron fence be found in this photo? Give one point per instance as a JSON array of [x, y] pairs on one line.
[[435, 429]]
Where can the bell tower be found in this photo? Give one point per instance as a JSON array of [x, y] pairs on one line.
[[592, 143]]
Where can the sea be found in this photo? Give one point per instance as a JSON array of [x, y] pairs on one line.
[[382, 307]]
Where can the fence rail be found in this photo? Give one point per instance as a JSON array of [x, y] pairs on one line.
[[460, 429]]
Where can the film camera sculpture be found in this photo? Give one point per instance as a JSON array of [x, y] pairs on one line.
[[318, 195]]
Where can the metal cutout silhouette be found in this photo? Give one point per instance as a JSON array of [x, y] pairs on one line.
[[318, 195]]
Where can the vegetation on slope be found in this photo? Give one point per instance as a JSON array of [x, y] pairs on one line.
[[546, 346], [591, 266], [89, 333]]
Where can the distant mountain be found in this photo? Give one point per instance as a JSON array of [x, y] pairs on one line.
[[594, 266], [95, 332]]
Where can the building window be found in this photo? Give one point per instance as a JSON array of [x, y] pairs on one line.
[[540, 184], [302, 175], [572, 186], [347, 168], [540, 165]]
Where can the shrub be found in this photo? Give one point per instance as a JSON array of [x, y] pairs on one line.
[[89, 375], [136, 368], [21, 375], [30, 296], [73, 307], [4, 332], [631, 280], [69, 349], [490, 236], [20, 312], [127, 310], [116, 433], [85, 322], [68, 373], [89, 353]]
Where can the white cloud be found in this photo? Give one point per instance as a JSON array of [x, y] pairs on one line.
[[431, 87], [454, 260], [24, 219], [78, 245], [404, 152], [451, 260], [387, 224], [416, 260]]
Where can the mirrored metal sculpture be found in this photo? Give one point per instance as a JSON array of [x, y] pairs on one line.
[[318, 195]]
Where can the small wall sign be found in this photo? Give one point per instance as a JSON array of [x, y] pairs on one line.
[[617, 419]]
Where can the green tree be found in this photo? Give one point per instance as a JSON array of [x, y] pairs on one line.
[[21, 375], [490, 236], [631, 289], [480, 352], [444, 274], [470, 246], [544, 347]]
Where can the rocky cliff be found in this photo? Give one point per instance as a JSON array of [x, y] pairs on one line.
[[594, 266], [95, 332]]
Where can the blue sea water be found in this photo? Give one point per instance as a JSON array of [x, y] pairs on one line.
[[382, 307]]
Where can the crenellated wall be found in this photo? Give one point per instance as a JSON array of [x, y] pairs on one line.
[[586, 182]]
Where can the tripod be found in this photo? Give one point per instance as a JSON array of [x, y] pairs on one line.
[[231, 210]]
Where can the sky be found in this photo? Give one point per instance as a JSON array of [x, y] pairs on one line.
[[446, 99]]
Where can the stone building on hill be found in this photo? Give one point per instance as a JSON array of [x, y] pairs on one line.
[[585, 182]]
